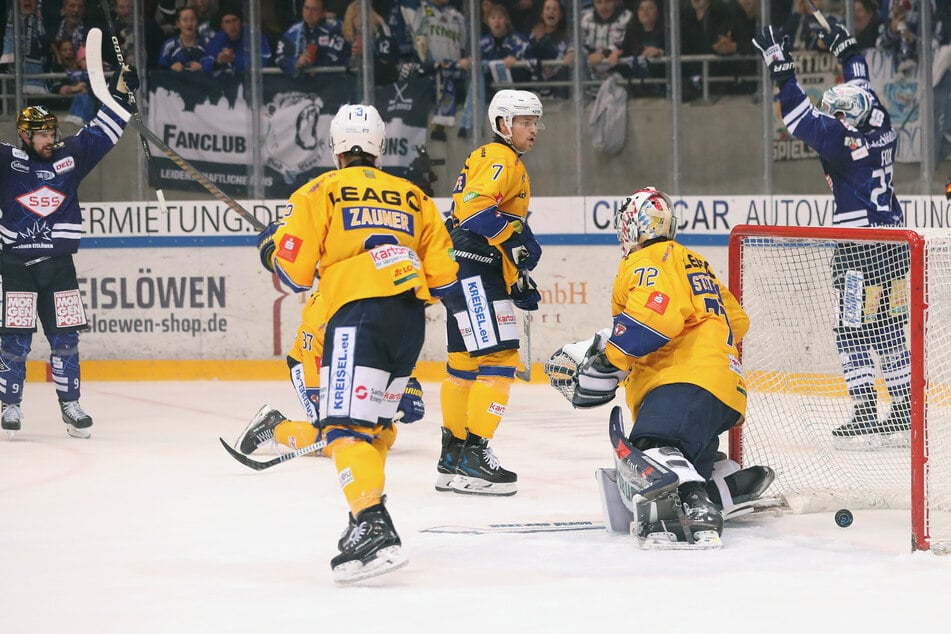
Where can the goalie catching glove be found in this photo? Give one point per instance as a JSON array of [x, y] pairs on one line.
[[582, 373], [123, 84]]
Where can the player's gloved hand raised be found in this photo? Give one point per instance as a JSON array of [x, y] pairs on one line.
[[524, 292], [123, 84], [266, 246], [411, 407], [839, 41], [776, 54], [522, 247]]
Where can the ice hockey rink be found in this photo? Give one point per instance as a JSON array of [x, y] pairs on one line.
[[151, 527]]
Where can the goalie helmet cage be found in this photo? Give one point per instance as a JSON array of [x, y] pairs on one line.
[[797, 393]]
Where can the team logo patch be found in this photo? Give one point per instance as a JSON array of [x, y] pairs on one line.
[[657, 302], [17, 166], [290, 248], [64, 165], [68, 307], [43, 201], [45, 175], [20, 310], [619, 330]]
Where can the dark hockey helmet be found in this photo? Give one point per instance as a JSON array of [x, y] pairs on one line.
[[34, 118]]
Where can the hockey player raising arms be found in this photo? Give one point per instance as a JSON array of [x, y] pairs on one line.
[[853, 135], [382, 253], [674, 346], [40, 228], [495, 249]]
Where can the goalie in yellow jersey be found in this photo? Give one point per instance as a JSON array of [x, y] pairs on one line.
[[673, 345], [383, 254], [496, 250]]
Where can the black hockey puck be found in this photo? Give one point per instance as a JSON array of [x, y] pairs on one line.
[[843, 518]]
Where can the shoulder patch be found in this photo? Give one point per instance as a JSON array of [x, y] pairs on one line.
[[877, 118]]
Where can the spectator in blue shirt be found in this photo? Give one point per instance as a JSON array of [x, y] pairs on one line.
[[317, 40], [228, 51]]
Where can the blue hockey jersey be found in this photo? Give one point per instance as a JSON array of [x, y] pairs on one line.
[[858, 164], [39, 199]]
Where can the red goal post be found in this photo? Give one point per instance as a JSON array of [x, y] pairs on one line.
[[796, 386]]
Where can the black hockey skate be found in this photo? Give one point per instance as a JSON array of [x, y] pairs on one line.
[[260, 430], [864, 420], [479, 471], [371, 547], [11, 419], [865, 433], [77, 420], [899, 416], [448, 460], [701, 514]]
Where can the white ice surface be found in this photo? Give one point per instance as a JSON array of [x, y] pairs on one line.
[[151, 527]]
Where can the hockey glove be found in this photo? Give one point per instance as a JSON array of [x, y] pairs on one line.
[[597, 378], [266, 246], [776, 54], [524, 292], [839, 42], [454, 300], [123, 84], [411, 407], [522, 247]]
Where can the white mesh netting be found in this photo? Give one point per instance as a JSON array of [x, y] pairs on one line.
[[797, 392]]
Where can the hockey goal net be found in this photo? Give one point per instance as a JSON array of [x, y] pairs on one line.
[[802, 288]]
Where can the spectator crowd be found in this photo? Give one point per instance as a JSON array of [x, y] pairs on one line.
[[521, 41]]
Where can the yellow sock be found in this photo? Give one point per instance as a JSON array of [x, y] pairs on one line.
[[384, 441], [360, 472], [487, 402], [454, 400], [295, 433]]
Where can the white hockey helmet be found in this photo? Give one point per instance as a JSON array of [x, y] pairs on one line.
[[850, 100], [509, 104], [359, 129], [644, 215]]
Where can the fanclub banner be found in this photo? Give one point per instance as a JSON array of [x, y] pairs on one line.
[[208, 123]]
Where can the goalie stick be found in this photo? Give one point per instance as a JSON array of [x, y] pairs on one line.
[[117, 49], [97, 79], [260, 466]]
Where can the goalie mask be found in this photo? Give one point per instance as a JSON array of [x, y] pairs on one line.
[[358, 129], [851, 101], [645, 215]]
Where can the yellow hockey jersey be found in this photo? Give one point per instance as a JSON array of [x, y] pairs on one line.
[[365, 233], [675, 323], [493, 191]]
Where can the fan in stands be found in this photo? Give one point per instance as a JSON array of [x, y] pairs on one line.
[[673, 346]]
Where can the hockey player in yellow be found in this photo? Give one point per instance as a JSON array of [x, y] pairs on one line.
[[495, 249], [382, 252], [673, 345]]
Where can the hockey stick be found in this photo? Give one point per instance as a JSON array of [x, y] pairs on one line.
[[153, 181], [99, 87], [259, 466], [526, 373], [518, 527], [821, 19]]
